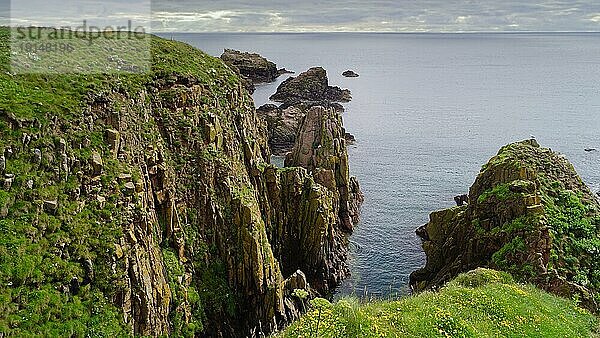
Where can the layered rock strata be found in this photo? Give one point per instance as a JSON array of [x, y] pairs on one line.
[[528, 213]]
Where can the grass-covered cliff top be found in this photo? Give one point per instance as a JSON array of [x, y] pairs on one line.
[[481, 303], [41, 96]]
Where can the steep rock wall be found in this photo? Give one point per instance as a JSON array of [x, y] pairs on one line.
[[528, 213], [155, 195]]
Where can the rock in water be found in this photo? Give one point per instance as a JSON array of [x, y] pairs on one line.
[[528, 213], [252, 67], [349, 73], [321, 148], [310, 88]]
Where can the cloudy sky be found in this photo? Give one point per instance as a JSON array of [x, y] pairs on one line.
[[332, 15], [376, 15]]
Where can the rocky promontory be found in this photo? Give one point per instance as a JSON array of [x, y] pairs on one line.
[[252, 67], [310, 88], [528, 213], [298, 95]]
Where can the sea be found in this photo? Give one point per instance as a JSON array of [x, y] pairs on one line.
[[428, 110]]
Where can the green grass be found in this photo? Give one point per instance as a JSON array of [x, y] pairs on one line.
[[481, 303], [40, 253]]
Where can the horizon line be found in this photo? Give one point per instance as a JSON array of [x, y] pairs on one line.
[[377, 32]]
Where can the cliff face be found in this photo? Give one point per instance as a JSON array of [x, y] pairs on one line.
[[146, 204], [528, 213]]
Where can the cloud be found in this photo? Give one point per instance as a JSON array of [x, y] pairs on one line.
[[343, 15]]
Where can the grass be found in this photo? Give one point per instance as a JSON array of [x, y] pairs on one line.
[[481, 303], [41, 253]]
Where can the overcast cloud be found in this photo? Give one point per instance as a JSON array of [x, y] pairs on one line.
[[333, 15], [378, 15]]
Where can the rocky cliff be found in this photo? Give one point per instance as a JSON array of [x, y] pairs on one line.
[[146, 205], [528, 213]]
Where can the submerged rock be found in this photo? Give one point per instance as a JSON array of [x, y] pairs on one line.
[[529, 214], [310, 88]]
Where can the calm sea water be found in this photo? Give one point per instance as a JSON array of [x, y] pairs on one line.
[[428, 110]]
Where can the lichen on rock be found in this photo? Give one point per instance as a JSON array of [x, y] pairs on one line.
[[146, 205], [529, 214]]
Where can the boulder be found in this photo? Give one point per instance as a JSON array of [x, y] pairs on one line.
[[114, 140], [97, 164], [51, 206]]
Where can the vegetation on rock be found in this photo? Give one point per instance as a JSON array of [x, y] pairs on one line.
[[529, 214], [145, 204]]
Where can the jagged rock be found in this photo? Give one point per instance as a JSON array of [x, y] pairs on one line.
[[349, 73], [2, 164], [282, 126], [61, 146], [97, 164], [252, 67], [297, 281], [114, 139], [51, 207], [321, 146], [350, 139], [129, 188], [310, 88], [29, 184], [123, 177], [514, 221], [461, 199], [8, 152]]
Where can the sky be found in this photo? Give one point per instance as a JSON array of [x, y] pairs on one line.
[[376, 15], [325, 16]]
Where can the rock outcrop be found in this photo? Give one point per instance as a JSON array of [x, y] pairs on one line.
[[529, 214], [310, 88], [252, 67], [349, 73], [150, 208], [321, 148], [298, 95], [282, 126]]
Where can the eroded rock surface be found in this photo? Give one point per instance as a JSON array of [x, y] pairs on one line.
[[252, 67], [528, 213], [156, 203], [310, 88]]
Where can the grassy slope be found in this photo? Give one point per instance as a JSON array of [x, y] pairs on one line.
[[481, 303]]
